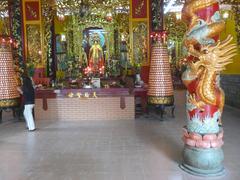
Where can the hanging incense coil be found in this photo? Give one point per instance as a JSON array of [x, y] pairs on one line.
[[160, 89], [9, 96]]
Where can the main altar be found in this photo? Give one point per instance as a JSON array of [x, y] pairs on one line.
[[90, 49], [86, 44], [73, 40], [87, 58]]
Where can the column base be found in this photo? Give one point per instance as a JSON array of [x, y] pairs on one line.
[[204, 173], [203, 162]]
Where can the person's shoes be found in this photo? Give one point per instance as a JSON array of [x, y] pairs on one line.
[[32, 130]]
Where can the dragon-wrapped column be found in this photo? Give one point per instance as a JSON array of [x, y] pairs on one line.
[[206, 58]]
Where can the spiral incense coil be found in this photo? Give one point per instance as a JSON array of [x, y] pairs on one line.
[[160, 89], [9, 95]]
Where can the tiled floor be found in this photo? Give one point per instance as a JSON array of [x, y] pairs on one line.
[[142, 149]]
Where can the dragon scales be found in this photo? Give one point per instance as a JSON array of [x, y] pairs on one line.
[[206, 58]]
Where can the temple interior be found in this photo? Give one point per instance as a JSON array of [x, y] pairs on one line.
[[119, 89]]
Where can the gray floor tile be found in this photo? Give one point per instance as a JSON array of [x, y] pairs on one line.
[[141, 149]]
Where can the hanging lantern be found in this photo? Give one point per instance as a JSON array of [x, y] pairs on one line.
[[9, 96]]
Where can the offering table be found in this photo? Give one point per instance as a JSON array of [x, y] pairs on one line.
[[73, 105]]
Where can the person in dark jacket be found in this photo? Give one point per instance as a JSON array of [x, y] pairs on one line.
[[27, 91]]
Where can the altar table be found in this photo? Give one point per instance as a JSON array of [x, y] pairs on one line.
[[110, 104]]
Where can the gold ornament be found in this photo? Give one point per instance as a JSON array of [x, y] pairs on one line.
[[70, 95], [212, 60], [79, 95], [94, 95]]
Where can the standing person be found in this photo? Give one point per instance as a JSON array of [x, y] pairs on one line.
[[27, 91]]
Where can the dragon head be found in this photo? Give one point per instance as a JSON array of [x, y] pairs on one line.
[[214, 57]]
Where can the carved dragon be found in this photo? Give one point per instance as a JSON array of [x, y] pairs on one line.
[[201, 31], [212, 60], [205, 60], [206, 57]]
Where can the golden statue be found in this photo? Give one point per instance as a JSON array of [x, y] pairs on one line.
[[96, 59]]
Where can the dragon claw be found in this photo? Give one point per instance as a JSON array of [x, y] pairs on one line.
[[198, 104]]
